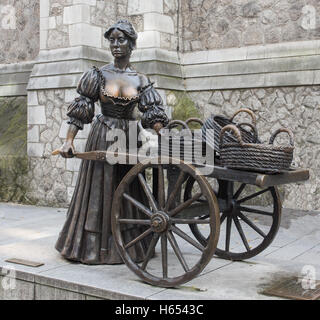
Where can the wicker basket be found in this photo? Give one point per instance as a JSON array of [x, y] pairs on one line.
[[265, 158], [216, 123]]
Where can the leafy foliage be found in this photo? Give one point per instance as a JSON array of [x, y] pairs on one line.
[[184, 108]]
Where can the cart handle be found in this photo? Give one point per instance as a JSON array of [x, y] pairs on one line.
[[288, 131], [252, 115]]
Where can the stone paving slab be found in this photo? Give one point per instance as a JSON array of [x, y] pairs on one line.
[[28, 232]]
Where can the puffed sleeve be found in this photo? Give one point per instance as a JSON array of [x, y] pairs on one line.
[[151, 106], [81, 110]]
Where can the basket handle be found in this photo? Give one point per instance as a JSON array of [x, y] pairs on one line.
[[179, 122], [254, 129], [288, 131], [235, 131], [194, 120], [252, 115]]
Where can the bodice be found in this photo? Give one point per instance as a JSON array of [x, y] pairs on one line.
[[119, 92]]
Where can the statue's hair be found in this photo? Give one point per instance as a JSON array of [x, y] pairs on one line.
[[126, 27]]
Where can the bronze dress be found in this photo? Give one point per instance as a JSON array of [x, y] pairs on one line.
[[86, 235]]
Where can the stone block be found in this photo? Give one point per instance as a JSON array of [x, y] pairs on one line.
[[59, 67], [227, 54], [23, 290], [93, 298], [36, 115], [148, 39], [48, 23], [158, 22], [73, 164], [143, 6], [88, 2], [63, 130], [54, 82], [44, 8], [70, 191], [33, 134], [79, 144], [316, 80], [70, 95], [32, 98], [49, 293], [35, 149], [85, 34], [74, 179], [43, 39], [76, 14]]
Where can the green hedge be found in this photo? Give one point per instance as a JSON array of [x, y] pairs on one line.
[[13, 149]]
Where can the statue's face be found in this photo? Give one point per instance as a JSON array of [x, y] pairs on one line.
[[119, 44]]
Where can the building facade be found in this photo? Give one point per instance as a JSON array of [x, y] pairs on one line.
[[222, 54]]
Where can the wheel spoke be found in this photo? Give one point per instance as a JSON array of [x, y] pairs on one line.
[[240, 230], [177, 251], [148, 192], [223, 217], [246, 209], [228, 234], [137, 204], [161, 191], [190, 221], [164, 252], [139, 238], [251, 224], [135, 221], [237, 194], [253, 195], [184, 236], [152, 245], [184, 205], [173, 194]]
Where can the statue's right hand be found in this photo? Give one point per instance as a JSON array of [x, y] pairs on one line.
[[66, 150]]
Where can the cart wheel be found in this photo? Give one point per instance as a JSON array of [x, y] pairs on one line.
[[181, 257], [251, 218]]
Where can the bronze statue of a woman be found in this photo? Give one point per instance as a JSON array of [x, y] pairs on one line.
[[86, 235]]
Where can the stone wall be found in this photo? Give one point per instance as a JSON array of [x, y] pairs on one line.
[[52, 178], [78, 22], [297, 108], [19, 26], [214, 24]]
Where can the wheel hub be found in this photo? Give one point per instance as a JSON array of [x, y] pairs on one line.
[[232, 208], [159, 222]]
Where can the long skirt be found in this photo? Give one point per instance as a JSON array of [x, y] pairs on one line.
[[86, 236]]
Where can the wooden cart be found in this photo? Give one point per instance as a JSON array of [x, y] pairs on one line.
[[229, 213]]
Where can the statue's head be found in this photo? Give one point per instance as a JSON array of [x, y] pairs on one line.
[[121, 34]]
